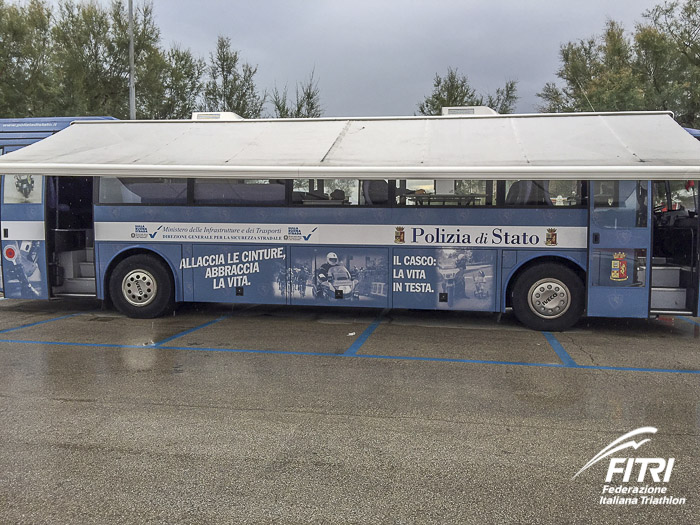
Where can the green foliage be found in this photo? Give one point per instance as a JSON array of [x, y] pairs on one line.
[[92, 59], [505, 98], [231, 85], [679, 23], [26, 84], [73, 59], [454, 90], [655, 68], [306, 104], [181, 86]]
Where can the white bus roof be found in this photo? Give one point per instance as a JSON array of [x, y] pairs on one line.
[[648, 145]]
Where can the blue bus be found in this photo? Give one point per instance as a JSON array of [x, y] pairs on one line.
[[554, 216]]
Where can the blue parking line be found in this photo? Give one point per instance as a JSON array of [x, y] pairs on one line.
[[249, 351], [181, 334], [633, 369], [456, 360], [361, 356], [566, 359], [61, 343], [6, 330], [357, 344]]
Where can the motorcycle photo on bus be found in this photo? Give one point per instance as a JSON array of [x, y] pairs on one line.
[[334, 280]]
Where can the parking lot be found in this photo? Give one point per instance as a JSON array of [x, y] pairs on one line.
[[287, 414]]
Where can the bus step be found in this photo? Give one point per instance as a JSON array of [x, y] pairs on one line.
[[87, 269], [665, 276], [668, 299], [670, 312], [662, 276], [77, 285]]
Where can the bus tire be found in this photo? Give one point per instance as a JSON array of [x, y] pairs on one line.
[[142, 287], [548, 297]]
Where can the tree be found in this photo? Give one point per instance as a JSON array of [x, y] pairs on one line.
[[180, 86], [657, 67], [92, 64], [600, 75], [505, 98], [306, 104], [26, 72], [231, 86], [454, 90], [679, 23]]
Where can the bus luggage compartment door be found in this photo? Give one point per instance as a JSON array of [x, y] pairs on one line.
[[619, 242], [339, 276], [444, 279], [233, 273], [24, 265]]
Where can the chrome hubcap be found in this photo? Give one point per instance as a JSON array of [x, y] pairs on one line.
[[139, 287], [549, 298]]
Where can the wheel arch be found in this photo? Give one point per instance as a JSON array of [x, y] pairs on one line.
[[138, 250], [517, 270]]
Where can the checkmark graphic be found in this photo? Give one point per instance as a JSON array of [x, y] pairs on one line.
[[153, 235], [307, 237]]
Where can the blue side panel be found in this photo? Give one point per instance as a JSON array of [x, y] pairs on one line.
[[19, 132], [339, 276], [24, 269], [444, 278], [238, 273], [22, 212], [106, 251], [620, 302]]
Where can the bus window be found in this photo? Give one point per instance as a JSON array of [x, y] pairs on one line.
[[444, 192], [660, 196], [144, 190], [414, 192], [326, 192], [240, 192], [620, 204], [375, 193], [544, 193], [567, 192], [23, 189], [480, 191], [682, 195]]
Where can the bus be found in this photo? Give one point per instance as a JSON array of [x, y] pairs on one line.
[[555, 216]]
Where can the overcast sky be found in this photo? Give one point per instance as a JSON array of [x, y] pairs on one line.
[[379, 57]]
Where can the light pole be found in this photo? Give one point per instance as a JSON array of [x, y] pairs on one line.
[[132, 89]]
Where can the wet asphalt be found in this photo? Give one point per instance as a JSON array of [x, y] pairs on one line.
[[223, 414]]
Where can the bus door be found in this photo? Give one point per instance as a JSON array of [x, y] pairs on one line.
[[23, 237], [619, 249]]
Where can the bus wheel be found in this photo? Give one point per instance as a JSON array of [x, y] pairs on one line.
[[142, 287], [548, 297]]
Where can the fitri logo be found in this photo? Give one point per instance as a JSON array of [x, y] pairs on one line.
[[634, 480]]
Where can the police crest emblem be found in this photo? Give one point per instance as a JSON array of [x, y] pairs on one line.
[[399, 235], [551, 238], [618, 270]]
